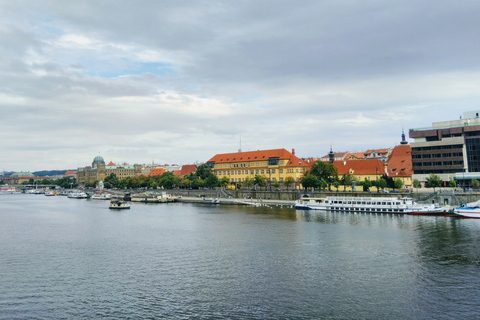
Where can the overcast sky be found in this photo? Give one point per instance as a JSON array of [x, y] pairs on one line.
[[181, 81]]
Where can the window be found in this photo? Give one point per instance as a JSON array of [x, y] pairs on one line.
[[280, 170]]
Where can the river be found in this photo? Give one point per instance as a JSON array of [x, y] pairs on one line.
[[66, 258]]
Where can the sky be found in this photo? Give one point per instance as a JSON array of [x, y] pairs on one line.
[[176, 82]]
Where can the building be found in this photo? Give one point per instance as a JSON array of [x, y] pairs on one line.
[[275, 165], [98, 171], [449, 149], [370, 169], [185, 170]]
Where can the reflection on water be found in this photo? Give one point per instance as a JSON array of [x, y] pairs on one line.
[[69, 258]]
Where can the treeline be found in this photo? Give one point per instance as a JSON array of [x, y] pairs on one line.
[[325, 175], [62, 182]]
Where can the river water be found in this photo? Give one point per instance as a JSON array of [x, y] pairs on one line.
[[66, 258]]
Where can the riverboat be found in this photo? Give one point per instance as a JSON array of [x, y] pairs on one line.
[[78, 195], [8, 189], [427, 210], [470, 210], [101, 196], [119, 204], [356, 204], [153, 197]]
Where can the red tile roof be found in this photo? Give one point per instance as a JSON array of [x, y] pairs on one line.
[[187, 169], [68, 173], [110, 163], [157, 172], [360, 167], [400, 161], [260, 155]]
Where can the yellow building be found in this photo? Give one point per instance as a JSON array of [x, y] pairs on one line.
[[99, 171], [275, 165]]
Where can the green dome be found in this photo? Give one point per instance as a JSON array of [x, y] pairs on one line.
[[98, 159]]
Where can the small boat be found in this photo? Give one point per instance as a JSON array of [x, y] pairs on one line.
[[427, 210], [5, 188], [470, 210], [119, 204], [211, 201], [78, 195], [101, 196], [50, 193]]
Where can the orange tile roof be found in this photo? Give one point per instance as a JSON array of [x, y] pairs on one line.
[[176, 172], [187, 169], [360, 167], [157, 172], [69, 173], [251, 156], [110, 163], [400, 161]]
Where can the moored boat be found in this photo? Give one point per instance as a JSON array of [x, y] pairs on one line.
[[356, 204], [119, 204], [470, 210], [78, 195], [427, 210], [101, 196]]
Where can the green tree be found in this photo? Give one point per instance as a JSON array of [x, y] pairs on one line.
[[382, 183], [452, 183], [289, 181], [475, 183], [249, 182], [111, 180], [398, 183], [323, 171], [310, 181], [203, 171], [260, 181], [417, 184], [433, 181], [367, 184], [224, 181], [347, 180], [324, 184], [336, 184], [211, 181], [276, 184]]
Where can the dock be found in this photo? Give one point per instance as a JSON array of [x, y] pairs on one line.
[[233, 201]]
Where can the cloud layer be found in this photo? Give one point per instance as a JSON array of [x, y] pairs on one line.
[[179, 82]]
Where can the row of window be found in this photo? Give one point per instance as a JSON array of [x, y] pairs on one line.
[[437, 155], [238, 172], [437, 163], [243, 179], [459, 146], [248, 164]]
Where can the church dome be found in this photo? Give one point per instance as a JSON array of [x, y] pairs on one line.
[[98, 159]]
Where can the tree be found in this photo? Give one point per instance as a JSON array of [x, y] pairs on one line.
[[289, 181], [324, 184], [367, 184], [323, 171], [336, 184], [310, 181], [224, 181], [261, 181], [347, 180], [203, 171], [248, 182], [433, 181], [475, 183], [452, 183], [398, 183], [211, 181], [276, 184], [382, 183], [417, 184], [111, 180]]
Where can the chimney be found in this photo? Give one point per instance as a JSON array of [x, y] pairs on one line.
[[293, 151]]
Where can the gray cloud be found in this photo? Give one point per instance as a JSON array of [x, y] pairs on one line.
[[182, 81]]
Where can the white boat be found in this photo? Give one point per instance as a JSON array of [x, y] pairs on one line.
[[153, 197], [78, 195], [101, 196], [50, 193], [470, 210], [211, 201], [119, 204], [8, 189], [427, 210], [356, 204]]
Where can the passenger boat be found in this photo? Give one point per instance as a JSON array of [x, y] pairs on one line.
[[101, 196], [119, 204], [78, 195], [470, 210], [7, 189], [153, 197], [50, 193], [356, 204], [211, 200]]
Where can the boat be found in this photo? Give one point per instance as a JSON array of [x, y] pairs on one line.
[[427, 210], [78, 195], [50, 193], [8, 189], [356, 204], [101, 196], [152, 197], [119, 204], [211, 200], [469, 210]]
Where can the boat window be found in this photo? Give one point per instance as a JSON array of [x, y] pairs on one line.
[[384, 203], [368, 202], [349, 202], [363, 202]]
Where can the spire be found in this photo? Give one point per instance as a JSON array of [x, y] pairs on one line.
[[403, 138], [331, 155]]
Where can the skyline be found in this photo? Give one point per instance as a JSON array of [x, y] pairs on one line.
[[181, 82]]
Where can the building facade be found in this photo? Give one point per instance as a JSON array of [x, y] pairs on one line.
[[275, 165], [99, 171], [449, 149]]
